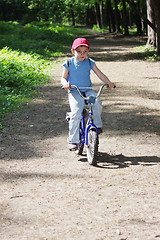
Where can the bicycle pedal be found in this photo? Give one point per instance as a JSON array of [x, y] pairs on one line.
[[100, 130]]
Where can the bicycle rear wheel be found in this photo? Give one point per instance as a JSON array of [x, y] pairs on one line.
[[80, 148], [81, 141], [82, 132], [92, 148]]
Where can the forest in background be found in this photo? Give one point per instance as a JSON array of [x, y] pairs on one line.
[[115, 15]]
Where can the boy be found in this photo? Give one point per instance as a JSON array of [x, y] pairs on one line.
[[76, 71]]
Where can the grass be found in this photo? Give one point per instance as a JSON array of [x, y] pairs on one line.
[[101, 30], [45, 39], [25, 54], [147, 53]]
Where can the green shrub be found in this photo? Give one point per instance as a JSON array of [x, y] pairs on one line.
[[102, 30], [147, 53], [45, 39], [8, 27], [19, 74]]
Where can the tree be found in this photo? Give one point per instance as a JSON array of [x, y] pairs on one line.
[[153, 8], [156, 9], [135, 9], [117, 17], [101, 12], [110, 16], [125, 22], [151, 18], [97, 13], [12, 10], [72, 14], [138, 19]]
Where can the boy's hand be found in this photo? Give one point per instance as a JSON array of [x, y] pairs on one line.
[[110, 85], [67, 86]]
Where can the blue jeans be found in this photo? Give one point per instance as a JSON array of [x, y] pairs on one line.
[[76, 105]]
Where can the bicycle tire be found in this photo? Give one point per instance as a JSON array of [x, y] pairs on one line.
[[80, 149], [81, 132], [81, 144], [92, 148]]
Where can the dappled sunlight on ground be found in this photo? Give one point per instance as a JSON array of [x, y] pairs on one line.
[[48, 192]]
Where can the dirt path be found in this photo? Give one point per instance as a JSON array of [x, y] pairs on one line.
[[48, 193]]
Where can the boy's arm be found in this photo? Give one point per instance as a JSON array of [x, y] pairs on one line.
[[64, 82], [102, 76]]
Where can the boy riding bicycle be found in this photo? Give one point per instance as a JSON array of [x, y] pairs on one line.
[[76, 71]]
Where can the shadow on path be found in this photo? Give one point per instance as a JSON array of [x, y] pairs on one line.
[[120, 161], [112, 47]]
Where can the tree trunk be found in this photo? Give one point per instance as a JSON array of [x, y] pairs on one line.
[[138, 24], [72, 15], [97, 12], [138, 19], [144, 25], [108, 20], [117, 17], [125, 22], [156, 6], [151, 17], [101, 12], [90, 16], [111, 20]]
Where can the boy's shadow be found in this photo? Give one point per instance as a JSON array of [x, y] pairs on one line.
[[120, 161]]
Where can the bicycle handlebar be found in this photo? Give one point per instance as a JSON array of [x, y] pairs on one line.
[[86, 98]]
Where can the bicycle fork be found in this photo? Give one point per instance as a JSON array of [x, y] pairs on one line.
[[90, 125]]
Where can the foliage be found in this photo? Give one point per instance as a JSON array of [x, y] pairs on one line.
[[147, 53], [43, 38], [95, 28], [41, 10], [24, 58], [19, 74]]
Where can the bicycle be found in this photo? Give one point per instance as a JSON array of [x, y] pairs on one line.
[[88, 132]]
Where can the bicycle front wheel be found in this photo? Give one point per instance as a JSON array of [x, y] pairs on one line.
[[92, 148]]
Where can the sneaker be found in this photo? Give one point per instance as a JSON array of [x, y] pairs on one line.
[[100, 130], [73, 146]]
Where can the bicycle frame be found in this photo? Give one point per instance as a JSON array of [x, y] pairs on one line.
[[84, 129], [90, 125]]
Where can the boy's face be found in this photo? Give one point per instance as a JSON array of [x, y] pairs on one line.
[[81, 53]]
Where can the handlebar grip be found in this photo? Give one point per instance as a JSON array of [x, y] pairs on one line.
[[108, 86]]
